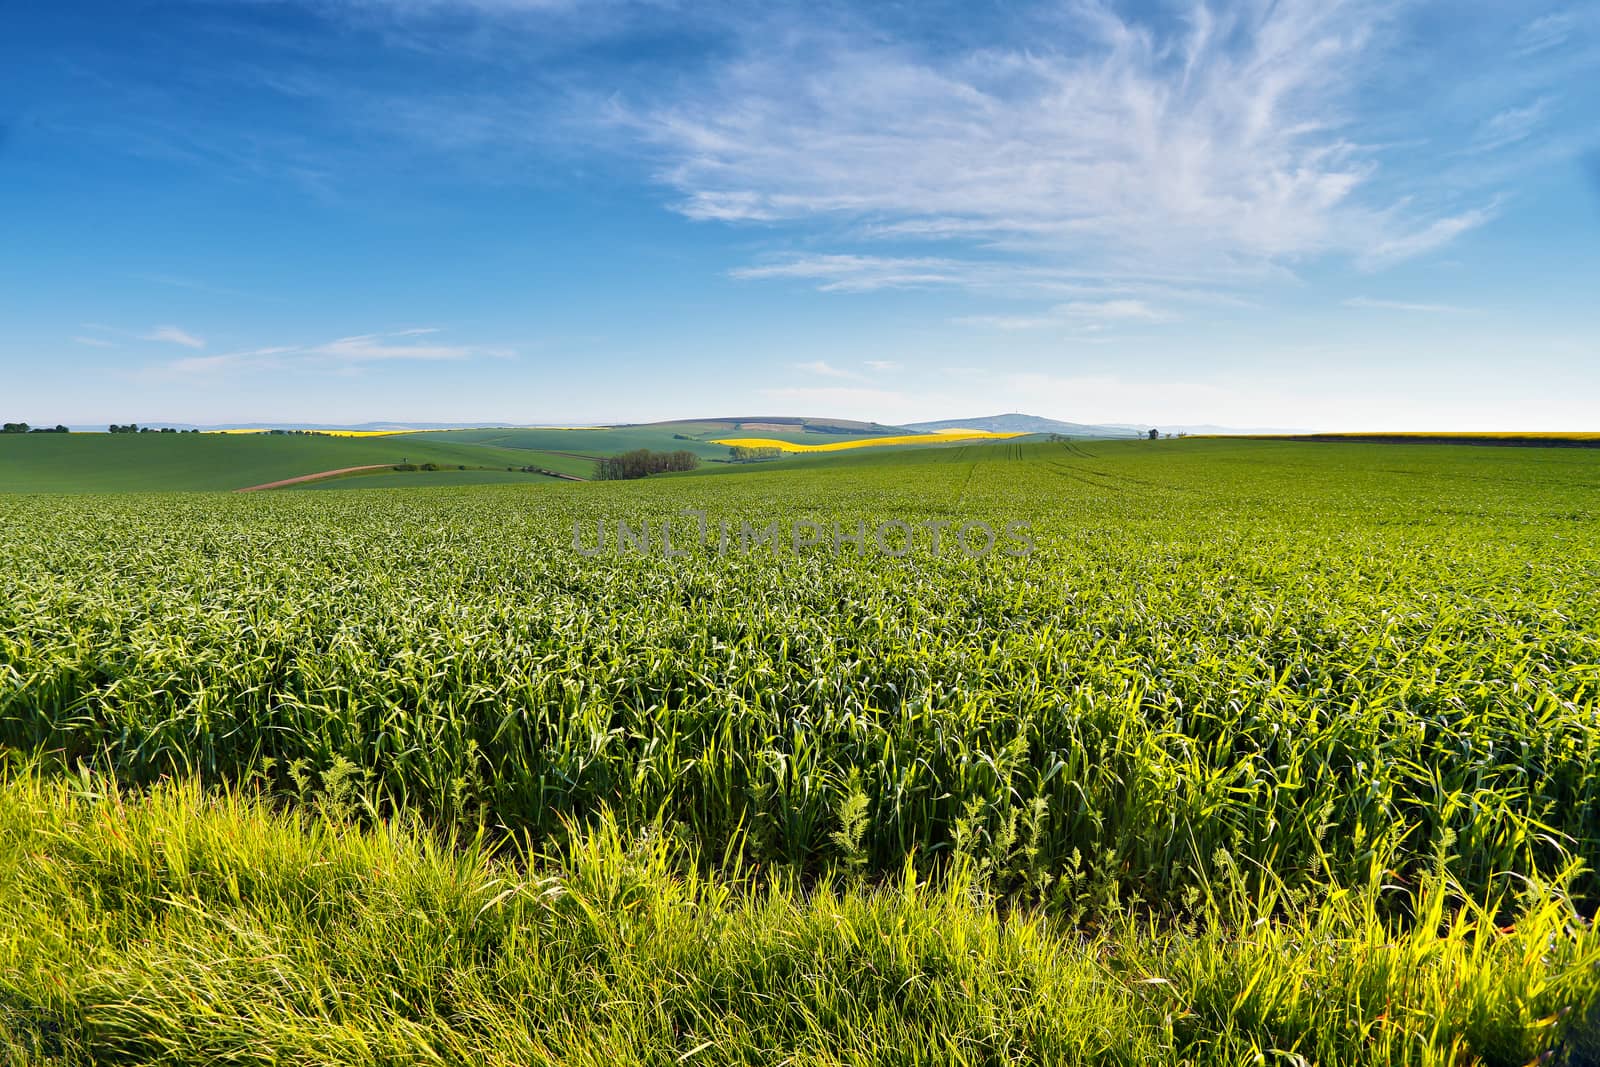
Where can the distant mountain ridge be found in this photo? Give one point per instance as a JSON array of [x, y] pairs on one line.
[[796, 422], [1019, 423]]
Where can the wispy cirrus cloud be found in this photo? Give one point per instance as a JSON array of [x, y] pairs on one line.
[[1089, 315], [344, 352], [861, 273], [1547, 31], [1231, 142], [1221, 144], [1436, 235], [174, 335], [246, 359], [1113, 311], [1511, 125], [373, 347]]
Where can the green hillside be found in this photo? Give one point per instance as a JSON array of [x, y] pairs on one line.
[[98, 462], [693, 436], [90, 462]]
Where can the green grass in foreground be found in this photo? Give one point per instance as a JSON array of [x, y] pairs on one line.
[[183, 927]]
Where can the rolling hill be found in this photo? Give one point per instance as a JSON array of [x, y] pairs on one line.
[[101, 462], [1019, 423], [98, 462]]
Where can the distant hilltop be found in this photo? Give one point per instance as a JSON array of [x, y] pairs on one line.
[[1018, 423]]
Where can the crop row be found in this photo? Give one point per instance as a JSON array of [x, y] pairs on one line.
[[1262, 661]]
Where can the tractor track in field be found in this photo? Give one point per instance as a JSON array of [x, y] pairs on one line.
[[569, 455], [280, 483]]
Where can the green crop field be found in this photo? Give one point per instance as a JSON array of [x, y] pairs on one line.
[[1267, 752], [153, 462], [383, 479], [697, 437]]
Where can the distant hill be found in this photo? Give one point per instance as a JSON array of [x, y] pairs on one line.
[[1016, 423], [791, 422]]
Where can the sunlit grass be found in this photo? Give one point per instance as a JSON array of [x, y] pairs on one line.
[[187, 927]]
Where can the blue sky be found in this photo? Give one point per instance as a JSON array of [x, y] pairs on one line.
[[1331, 214]]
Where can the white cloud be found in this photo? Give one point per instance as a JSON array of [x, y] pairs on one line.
[[1113, 311], [1435, 235], [343, 355], [1511, 125], [856, 273], [96, 342], [1401, 305], [1221, 148], [371, 347], [883, 365], [859, 274], [255, 358], [174, 335], [1089, 315], [1546, 31], [205, 364]]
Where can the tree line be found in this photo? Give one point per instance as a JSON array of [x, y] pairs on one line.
[[641, 463], [22, 427], [751, 453], [134, 427]]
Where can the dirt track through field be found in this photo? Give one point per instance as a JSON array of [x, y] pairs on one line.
[[311, 477], [569, 455]]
